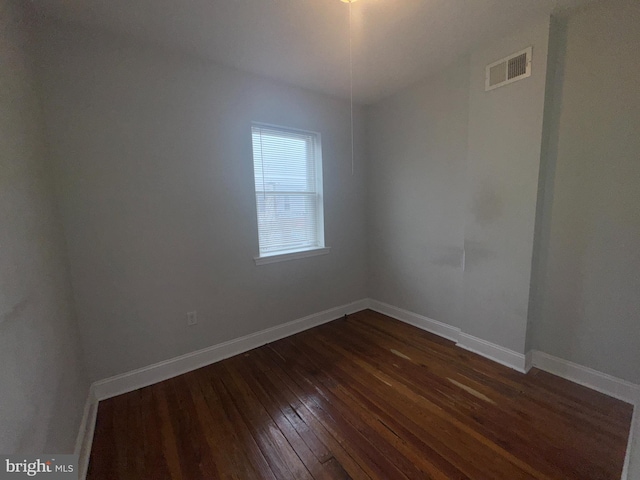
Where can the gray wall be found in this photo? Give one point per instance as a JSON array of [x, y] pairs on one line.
[[505, 136], [155, 180], [588, 301], [581, 299], [417, 154], [43, 384], [454, 169]]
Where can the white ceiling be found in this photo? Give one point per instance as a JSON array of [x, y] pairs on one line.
[[306, 42]]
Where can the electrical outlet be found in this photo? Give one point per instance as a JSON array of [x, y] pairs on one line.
[[192, 318]]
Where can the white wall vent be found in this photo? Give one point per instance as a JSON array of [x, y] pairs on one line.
[[508, 70]]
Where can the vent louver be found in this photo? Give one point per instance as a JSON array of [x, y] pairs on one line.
[[517, 66], [508, 70]]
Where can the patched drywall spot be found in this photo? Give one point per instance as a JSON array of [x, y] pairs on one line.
[[448, 257], [474, 252], [487, 205]]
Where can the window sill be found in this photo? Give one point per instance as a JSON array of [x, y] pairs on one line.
[[283, 257]]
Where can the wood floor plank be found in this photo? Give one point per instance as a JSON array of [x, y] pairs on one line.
[[335, 470], [169, 437], [243, 420], [382, 449], [102, 464], [308, 458], [155, 463], [371, 391], [420, 428], [430, 464], [525, 422], [195, 459], [230, 460], [357, 444], [365, 397], [283, 459], [489, 420], [126, 436], [321, 426], [230, 424], [278, 400]]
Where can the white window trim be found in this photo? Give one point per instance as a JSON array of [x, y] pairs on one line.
[[322, 249], [293, 255]]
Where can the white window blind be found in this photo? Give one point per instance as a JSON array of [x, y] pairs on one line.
[[288, 180]]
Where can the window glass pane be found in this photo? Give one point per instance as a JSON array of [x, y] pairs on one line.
[[283, 162], [288, 194], [286, 221]]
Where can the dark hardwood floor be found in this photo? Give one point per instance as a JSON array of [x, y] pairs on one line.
[[363, 397]]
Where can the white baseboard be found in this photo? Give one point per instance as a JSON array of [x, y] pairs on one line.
[[609, 385], [422, 322], [164, 370], [489, 350], [142, 377], [84, 439], [493, 352], [601, 382], [528, 361], [585, 376]]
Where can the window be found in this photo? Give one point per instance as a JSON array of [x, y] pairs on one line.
[[287, 168]]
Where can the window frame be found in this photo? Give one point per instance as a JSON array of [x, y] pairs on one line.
[[291, 254]]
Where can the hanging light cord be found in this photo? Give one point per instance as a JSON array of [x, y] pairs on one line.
[[351, 86]]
